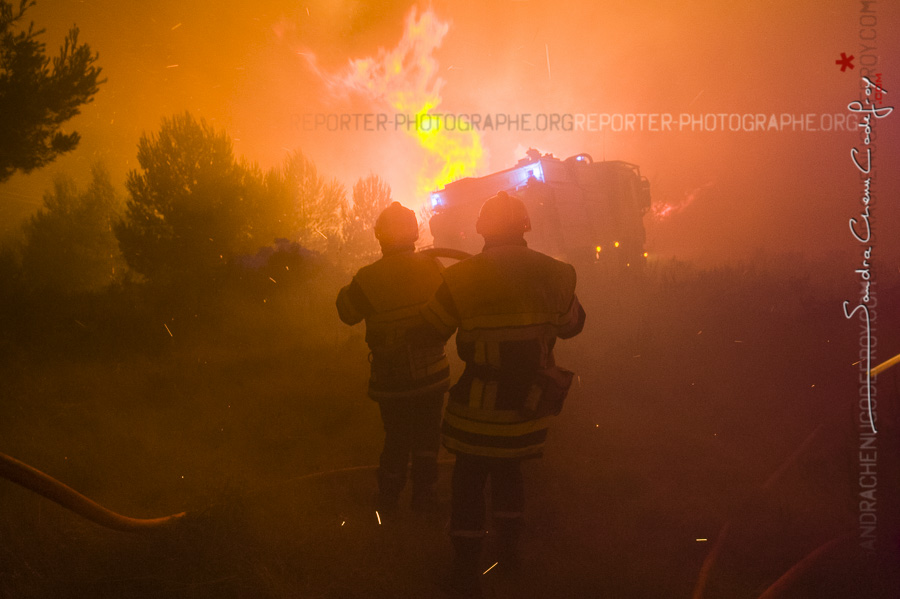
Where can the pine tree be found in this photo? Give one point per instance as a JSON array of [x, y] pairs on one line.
[[35, 99], [69, 244]]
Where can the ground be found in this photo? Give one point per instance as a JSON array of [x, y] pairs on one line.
[[708, 446]]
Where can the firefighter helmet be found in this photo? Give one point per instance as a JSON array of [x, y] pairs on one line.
[[396, 225], [501, 216]]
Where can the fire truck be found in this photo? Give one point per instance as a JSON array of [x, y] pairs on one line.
[[581, 211]]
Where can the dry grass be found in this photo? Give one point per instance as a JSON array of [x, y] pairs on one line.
[[694, 387]]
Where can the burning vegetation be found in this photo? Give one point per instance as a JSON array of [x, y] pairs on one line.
[[171, 345]]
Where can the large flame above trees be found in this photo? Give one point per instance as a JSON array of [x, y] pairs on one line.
[[406, 78]]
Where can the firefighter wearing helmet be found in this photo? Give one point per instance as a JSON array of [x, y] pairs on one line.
[[409, 368], [508, 304]]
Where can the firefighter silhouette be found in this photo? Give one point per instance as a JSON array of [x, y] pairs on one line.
[[508, 305], [409, 368]]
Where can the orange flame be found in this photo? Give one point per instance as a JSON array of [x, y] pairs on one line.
[[664, 210], [406, 78]]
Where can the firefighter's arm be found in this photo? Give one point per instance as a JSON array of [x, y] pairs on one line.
[[352, 304], [440, 312], [573, 321]]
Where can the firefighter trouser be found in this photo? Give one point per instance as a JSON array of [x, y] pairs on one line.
[[467, 517], [412, 428]]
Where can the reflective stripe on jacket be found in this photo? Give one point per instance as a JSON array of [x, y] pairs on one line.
[[510, 304], [407, 357]]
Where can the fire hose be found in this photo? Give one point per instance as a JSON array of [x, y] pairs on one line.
[[56, 491], [47, 486], [779, 587]]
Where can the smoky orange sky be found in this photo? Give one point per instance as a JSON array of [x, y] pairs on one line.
[[255, 68]]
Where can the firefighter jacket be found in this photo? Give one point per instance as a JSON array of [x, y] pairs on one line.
[[510, 304], [407, 357]]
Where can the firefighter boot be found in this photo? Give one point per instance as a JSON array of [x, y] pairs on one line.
[[464, 579], [389, 487]]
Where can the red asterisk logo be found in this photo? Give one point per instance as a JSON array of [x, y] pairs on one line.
[[845, 61]]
